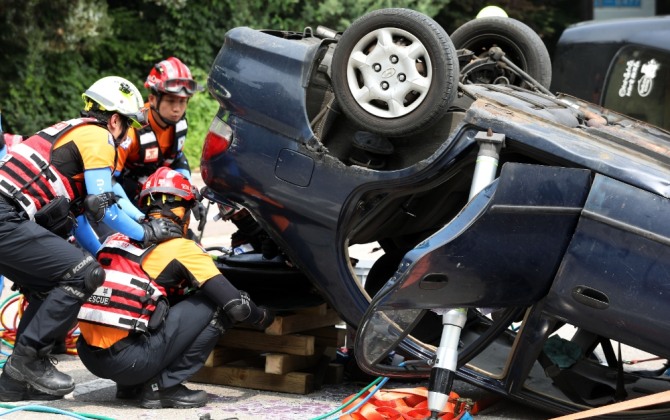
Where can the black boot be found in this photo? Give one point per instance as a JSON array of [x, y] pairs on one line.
[[59, 347], [35, 367], [177, 396], [13, 390], [128, 392]]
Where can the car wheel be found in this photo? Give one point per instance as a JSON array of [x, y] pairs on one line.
[[519, 42], [394, 71]]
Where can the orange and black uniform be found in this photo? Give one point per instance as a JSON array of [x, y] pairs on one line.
[[71, 147], [149, 148], [51, 272], [179, 346]]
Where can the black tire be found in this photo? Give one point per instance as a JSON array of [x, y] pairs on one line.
[[381, 112], [520, 43]]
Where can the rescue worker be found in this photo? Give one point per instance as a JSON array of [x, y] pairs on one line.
[[44, 181], [161, 142], [161, 310]]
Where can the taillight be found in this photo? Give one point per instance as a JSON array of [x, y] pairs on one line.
[[217, 140]]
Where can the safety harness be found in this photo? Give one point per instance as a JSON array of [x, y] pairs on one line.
[[151, 157], [27, 175], [128, 299]]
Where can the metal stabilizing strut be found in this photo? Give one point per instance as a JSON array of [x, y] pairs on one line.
[[444, 368]]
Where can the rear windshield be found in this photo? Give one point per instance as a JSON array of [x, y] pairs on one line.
[[638, 84]]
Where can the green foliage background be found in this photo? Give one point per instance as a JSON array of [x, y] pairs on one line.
[[52, 50]]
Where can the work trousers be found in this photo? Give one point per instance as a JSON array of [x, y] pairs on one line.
[[171, 354], [36, 260]]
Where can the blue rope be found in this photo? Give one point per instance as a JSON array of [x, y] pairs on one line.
[[367, 398]]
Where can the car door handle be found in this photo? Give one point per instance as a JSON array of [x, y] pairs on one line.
[[590, 297]]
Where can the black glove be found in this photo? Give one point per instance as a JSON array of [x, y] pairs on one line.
[[200, 214], [95, 205], [160, 230]]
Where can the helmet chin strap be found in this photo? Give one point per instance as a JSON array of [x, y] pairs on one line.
[[118, 140], [166, 211]]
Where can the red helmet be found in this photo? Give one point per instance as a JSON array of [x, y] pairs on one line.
[[173, 77], [166, 181]]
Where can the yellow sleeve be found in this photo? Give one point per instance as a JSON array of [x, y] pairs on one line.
[[179, 254], [96, 146]]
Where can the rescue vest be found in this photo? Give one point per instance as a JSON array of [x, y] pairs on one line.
[[128, 296], [151, 157], [27, 176]]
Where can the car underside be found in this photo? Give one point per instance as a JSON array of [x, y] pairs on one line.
[[320, 178]]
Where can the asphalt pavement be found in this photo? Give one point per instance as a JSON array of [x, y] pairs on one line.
[[94, 397]]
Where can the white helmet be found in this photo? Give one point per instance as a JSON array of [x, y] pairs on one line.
[[116, 94]]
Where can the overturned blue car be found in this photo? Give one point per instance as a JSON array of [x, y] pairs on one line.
[[525, 235]]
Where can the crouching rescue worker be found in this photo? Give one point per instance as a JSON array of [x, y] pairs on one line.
[[44, 181], [161, 310]]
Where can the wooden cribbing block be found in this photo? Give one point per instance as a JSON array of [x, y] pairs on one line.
[[328, 336], [281, 364], [334, 374], [319, 310], [299, 322], [245, 377], [302, 345], [222, 355]]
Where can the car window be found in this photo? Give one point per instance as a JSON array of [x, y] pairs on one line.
[[638, 84]]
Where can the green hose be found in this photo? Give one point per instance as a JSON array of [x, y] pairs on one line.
[[351, 400], [8, 298], [45, 409], [5, 342]]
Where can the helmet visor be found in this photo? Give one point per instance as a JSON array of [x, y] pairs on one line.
[[138, 119], [175, 86]]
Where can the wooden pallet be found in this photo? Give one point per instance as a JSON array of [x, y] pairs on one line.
[[292, 355]]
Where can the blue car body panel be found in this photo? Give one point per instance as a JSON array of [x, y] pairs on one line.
[[615, 273], [267, 89], [574, 225], [261, 82]]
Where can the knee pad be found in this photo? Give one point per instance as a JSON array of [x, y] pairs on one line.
[[95, 276], [87, 271], [238, 310]]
